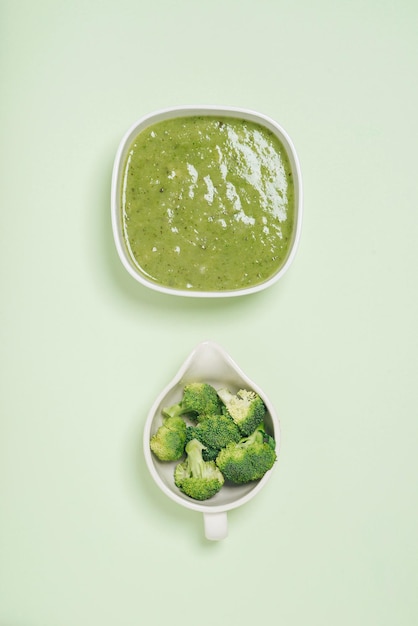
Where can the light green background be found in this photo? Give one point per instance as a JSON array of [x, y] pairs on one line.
[[86, 538]]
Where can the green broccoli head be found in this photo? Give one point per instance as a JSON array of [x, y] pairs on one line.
[[249, 459], [215, 432], [198, 399], [208, 454], [195, 477], [246, 408], [170, 439]]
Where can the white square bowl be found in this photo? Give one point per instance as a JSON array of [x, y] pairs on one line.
[[188, 111]]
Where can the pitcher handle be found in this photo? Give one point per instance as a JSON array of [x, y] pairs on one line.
[[216, 526]]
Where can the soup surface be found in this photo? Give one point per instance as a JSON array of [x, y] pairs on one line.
[[207, 203]]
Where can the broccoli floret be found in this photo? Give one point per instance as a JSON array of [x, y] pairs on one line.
[[249, 459], [195, 477], [246, 408], [208, 454], [215, 432], [198, 399], [170, 439]]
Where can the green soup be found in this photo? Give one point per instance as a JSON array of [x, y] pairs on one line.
[[207, 203]]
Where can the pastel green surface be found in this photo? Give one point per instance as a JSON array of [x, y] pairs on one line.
[[86, 538]]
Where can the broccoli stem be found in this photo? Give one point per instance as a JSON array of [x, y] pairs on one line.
[[257, 434], [194, 454], [173, 411], [225, 395]]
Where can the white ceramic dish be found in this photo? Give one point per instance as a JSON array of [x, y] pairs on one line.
[[184, 111], [207, 363]]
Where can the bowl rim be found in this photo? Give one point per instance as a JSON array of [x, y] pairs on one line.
[[189, 110]]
